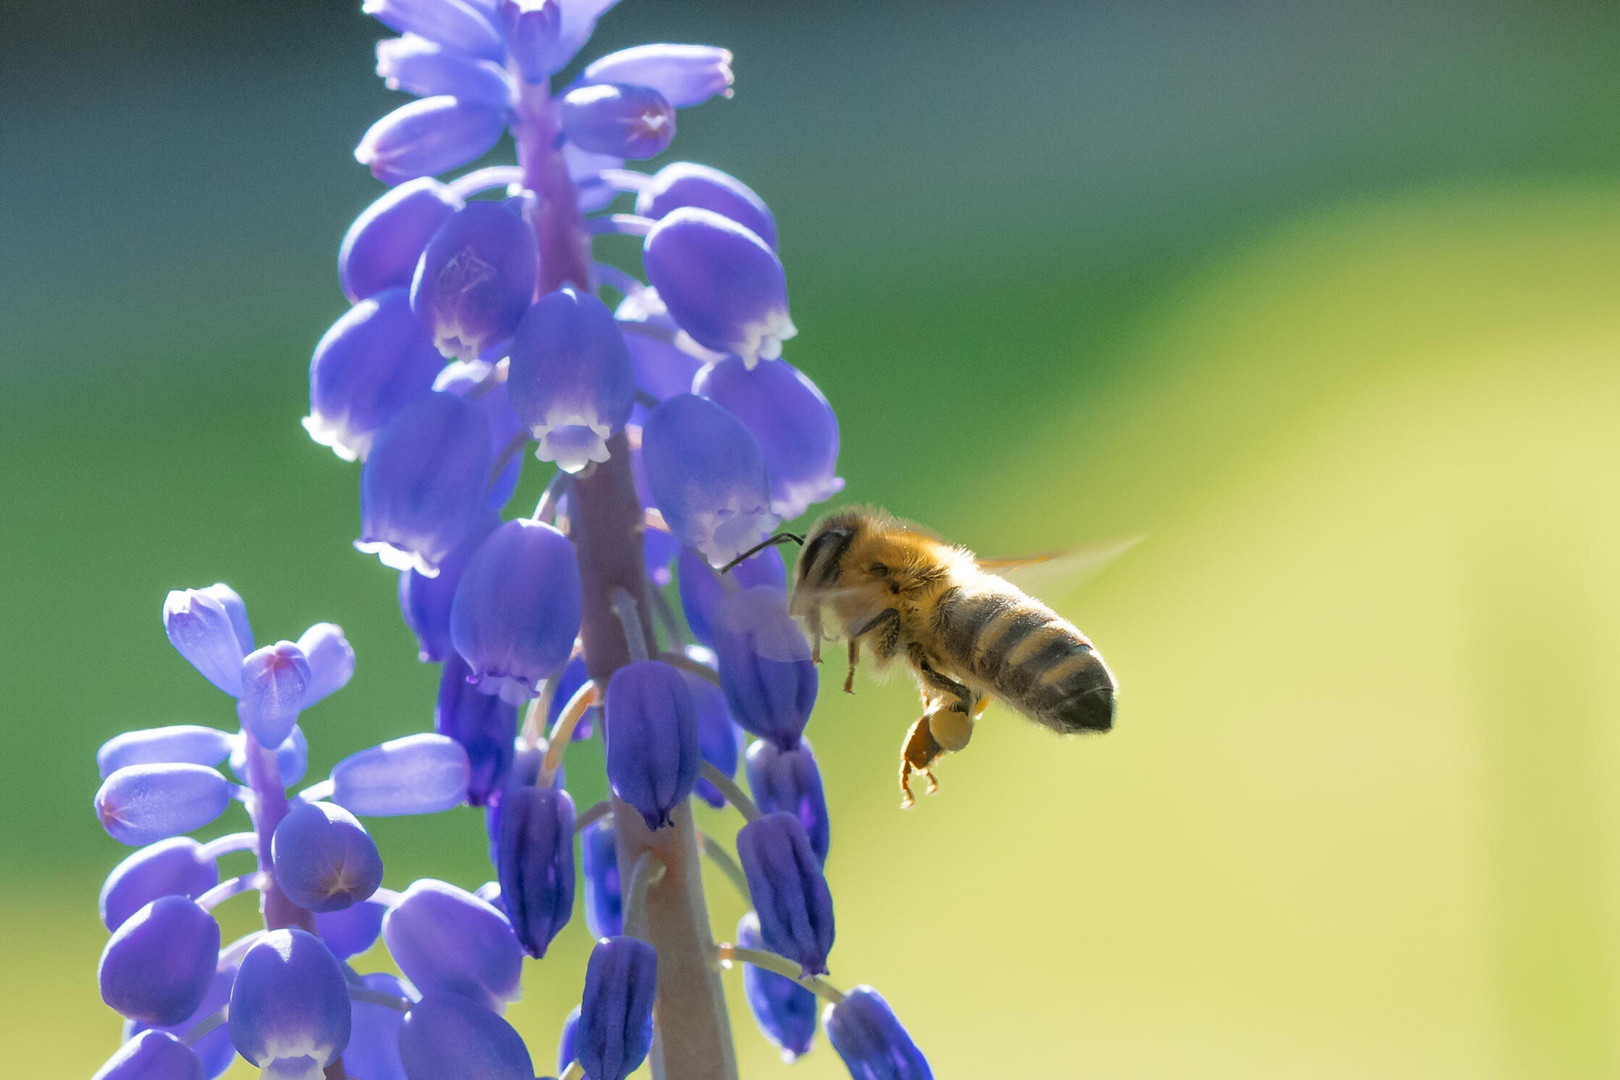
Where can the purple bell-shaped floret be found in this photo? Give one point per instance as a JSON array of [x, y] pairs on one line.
[[534, 860], [795, 427], [382, 245], [707, 475], [684, 74], [158, 963], [785, 1010], [702, 590], [615, 1013], [685, 183], [652, 739], [571, 379], [484, 725], [373, 362], [788, 889], [373, 1050], [765, 664], [790, 781], [422, 487], [173, 867], [518, 608], [417, 774], [429, 136], [289, 1011], [324, 859], [722, 283], [446, 1036], [868, 1036], [140, 804], [446, 939], [475, 279], [425, 601]]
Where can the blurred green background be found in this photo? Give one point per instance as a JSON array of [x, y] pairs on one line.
[[1320, 297]]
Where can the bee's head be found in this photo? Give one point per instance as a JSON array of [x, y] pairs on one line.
[[824, 547]]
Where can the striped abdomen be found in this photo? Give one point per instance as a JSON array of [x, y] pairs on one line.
[[1026, 654]]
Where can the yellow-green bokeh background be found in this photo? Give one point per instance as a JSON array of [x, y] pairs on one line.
[[1323, 301]]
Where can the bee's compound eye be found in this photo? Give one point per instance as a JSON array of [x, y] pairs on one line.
[[878, 568], [952, 728]]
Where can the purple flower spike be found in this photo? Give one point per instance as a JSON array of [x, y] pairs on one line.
[[475, 279], [685, 74], [381, 248], [624, 121], [706, 473], [533, 28], [615, 1013], [784, 1009], [373, 1050], [209, 628], [796, 428], [765, 667], [517, 611], [214, 1049], [652, 739], [571, 379], [568, 1040], [422, 488], [604, 897], [447, 1037], [866, 1034], [140, 804], [156, 746], [429, 136], [152, 1055], [289, 1011], [331, 660], [373, 362], [173, 867], [425, 68], [292, 757], [684, 183], [157, 966], [789, 781], [352, 930], [721, 282], [324, 859], [484, 725], [702, 591], [275, 680], [534, 859], [459, 25], [446, 939], [425, 601], [717, 736], [788, 889], [419, 774]]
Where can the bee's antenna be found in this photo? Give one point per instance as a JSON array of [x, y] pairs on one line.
[[771, 541]]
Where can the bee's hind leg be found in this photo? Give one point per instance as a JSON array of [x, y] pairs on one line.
[[854, 659], [917, 755]]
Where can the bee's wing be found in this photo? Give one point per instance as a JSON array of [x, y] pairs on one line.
[[1062, 568]]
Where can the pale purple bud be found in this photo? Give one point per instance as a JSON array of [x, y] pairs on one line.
[[484, 725], [373, 1050], [374, 361], [475, 279], [324, 859], [292, 757], [425, 68], [429, 136], [461, 26], [685, 74], [446, 939], [381, 248], [571, 378], [718, 738], [213, 1050], [156, 746], [204, 628], [418, 774], [352, 930], [702, 591], [331, 660], [707, 475], [425, 601], [765, 664], [604, 894], [532, 29], [173, 867], [722, 284], [274, 682], [683, 183], [140, 804], [625, 121]]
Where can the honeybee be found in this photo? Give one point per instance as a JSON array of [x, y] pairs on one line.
[[967, 635]]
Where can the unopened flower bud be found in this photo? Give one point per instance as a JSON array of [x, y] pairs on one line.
[[703, 590], [330, 658], [706, 473], [324, 859], [213, 1050], [446, 939], [156, 746], [292, 757], [615, 1017], [368, 366], [274, 682], [866, 1034], [684, 183], [623, 120], [289, 1011], [382, 245], [534, 859], [158, 963], [652, 739], [517, 610], [721, 282], [789, 781], [139, 804], [475, 279], [209, 628], [429, 136], [425, 68], [172, 867], [418, 774], [458, 24], [532, 31], [484, 725], [785, 1010], [571, 378], [352, 930], [604, 895], [152, 1055], [684, 74], [446, 1036], [568, 1039], [788, 889], [718, 738]]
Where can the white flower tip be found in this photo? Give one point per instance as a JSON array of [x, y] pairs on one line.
[[397, 558]]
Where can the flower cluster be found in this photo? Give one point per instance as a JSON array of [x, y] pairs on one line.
[[677, 437]]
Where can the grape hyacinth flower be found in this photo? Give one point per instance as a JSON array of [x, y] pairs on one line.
[[868, 1036], [788, 889], [616, 1013], [784, 1009]]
